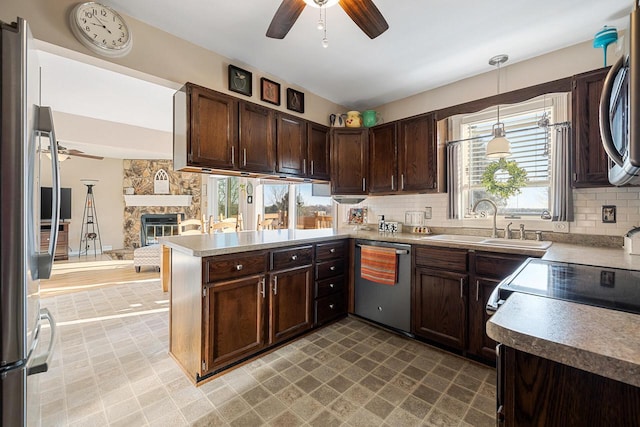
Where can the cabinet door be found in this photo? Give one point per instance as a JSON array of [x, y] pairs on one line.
[[290, 303], [318, 151], [439, 306], [417, 154], [479, 342], [256, 139], [214, 124], [590, 164], [383, 159], [349, 161], [234, 319], [291, 145]]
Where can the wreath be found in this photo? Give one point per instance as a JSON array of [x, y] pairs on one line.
[[508, 188]]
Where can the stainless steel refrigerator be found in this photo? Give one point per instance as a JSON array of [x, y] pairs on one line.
[[26, 126]]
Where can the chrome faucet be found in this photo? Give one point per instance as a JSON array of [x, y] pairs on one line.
[[494, 232], [522, 235], [507, 231]]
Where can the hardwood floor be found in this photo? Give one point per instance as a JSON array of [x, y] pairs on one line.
[[81, 274]]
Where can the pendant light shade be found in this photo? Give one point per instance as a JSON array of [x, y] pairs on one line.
[[499, 146]]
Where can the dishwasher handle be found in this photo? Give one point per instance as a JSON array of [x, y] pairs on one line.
[[398, 251], [494, 302]]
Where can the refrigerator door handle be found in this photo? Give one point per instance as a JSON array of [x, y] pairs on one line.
[[41, 363], [46, 128]]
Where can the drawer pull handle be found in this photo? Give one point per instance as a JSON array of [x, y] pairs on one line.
[[332, 250], [294, 257], [332, 268], [239, 267], [462, 288], [477, 290], [331, 285], [331, 306]]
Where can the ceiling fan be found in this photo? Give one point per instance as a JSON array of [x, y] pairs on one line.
[[71, 152], [364, 13]]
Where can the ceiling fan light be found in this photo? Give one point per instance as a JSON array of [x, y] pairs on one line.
[[321, 3], [61, 157], [499, 146]]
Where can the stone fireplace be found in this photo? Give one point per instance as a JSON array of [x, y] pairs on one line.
[[139, 175]]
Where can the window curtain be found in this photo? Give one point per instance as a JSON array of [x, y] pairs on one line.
[[562, 195], [454, 160]]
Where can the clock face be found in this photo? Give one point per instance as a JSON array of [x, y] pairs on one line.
[[101, 29]]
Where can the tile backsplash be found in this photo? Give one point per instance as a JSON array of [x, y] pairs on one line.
[[588, 204]]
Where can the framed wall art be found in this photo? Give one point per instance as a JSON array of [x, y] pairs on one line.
[[295, 100], [269, 91], [240, 80]]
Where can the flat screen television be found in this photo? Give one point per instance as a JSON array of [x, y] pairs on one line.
[[45, 203]]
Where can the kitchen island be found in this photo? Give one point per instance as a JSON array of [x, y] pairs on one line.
[[236, 295]]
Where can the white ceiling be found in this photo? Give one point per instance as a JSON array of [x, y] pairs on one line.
[[428, 44]]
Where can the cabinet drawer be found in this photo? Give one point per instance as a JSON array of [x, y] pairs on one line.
[[329, 286], [329, 308], [234, 265], [329, 269], [445, 259], [291, 257], [330, 250], [497, 266]]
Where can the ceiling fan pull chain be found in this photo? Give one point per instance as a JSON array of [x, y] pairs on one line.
[[325, 41]]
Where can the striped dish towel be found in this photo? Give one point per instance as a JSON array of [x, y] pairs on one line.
[[379, 265]]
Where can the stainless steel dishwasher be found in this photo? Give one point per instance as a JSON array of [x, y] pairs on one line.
[[385, 304]]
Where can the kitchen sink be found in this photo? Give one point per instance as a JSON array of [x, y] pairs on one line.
[[455, 238], [512, 243], [530, 244]]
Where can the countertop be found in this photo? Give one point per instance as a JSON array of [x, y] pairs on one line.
[[604, 342]]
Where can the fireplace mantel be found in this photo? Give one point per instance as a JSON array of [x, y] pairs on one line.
[[157, 200]]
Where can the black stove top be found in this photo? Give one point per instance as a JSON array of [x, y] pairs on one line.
[[612, 288]]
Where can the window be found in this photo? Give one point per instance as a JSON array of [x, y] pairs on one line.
[[311, 211], [530, 147], [225, 197]]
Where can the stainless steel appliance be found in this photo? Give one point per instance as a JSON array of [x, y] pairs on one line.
[[620, 111], [612, 288], [385, 304], [22, 266]]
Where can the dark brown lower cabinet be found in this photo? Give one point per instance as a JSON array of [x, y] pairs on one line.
[[534, 391], [479, 342], [235, 324], [440, 306], [290, 303]]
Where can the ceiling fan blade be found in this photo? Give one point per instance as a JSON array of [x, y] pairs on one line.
[[366, 16], [285, 17], [79, 153]]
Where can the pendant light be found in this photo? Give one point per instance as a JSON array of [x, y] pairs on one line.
[[499, 146]]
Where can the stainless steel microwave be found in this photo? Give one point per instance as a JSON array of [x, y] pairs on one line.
[[620, 111]]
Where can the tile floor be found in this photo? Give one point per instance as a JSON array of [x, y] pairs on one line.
[[111, 368]]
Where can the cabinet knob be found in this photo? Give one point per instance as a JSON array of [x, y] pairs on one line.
[[331, 285], [332, 268], [239, 267], [332, 250], [331, 306], [294, 257]]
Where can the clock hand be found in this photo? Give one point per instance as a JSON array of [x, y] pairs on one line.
[[100, 24]]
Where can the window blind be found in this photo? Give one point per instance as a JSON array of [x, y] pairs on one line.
[[529, 147]]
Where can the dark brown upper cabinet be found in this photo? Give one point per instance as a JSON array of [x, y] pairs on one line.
[[417, 155], [349, 161], [205, 128], [291, 145], [318, 151], [589, 160], [256, 141], [383, 158]]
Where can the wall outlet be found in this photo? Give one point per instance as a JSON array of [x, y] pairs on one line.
[[560, 227], [427, 212]]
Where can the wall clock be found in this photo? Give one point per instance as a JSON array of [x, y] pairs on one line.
[[101, 29]]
